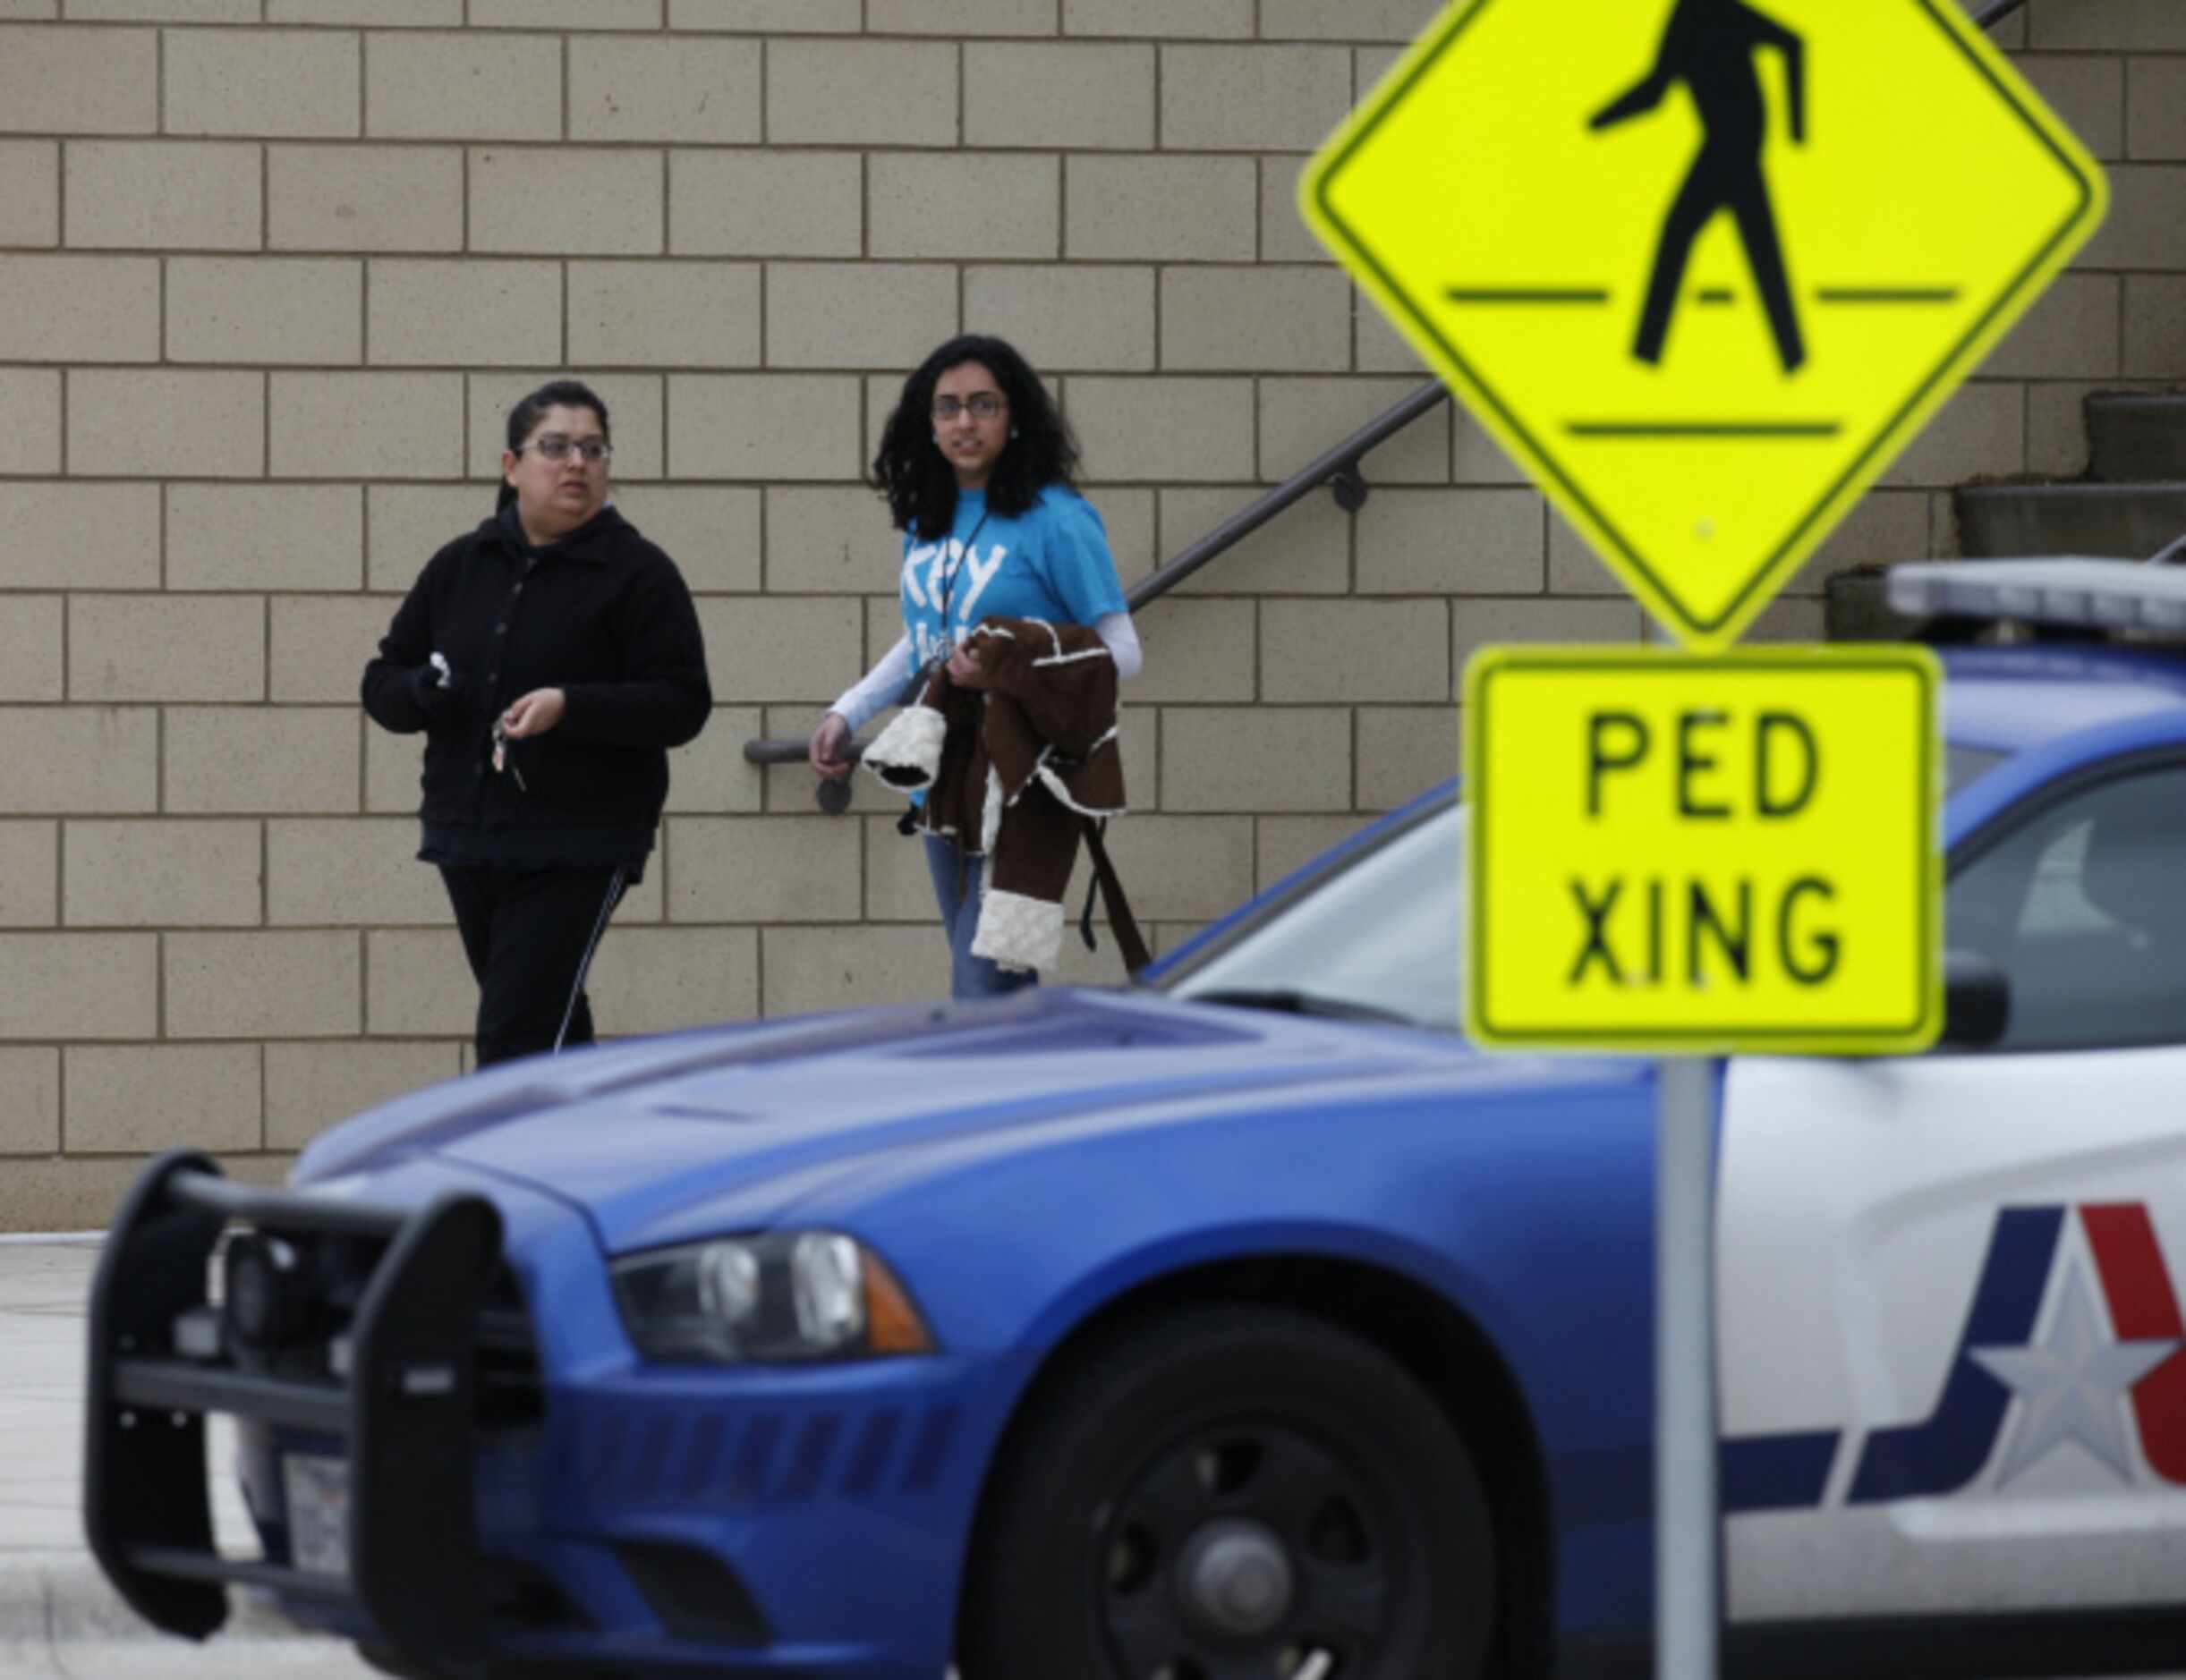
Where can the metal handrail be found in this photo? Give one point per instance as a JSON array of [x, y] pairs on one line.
[[1338, 468], [1994, 14]]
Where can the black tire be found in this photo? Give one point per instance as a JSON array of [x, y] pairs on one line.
[[1094, 1554]]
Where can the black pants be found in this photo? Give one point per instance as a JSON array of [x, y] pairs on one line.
[[530, 934]]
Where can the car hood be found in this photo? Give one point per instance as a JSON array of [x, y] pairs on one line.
[[743, 1121]]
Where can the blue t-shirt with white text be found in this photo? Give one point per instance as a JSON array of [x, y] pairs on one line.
[[1051, 562]]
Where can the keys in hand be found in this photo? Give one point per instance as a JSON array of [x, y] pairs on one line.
[[501, 760]]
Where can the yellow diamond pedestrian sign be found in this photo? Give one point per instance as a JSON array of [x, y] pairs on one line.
[[1704, 267]]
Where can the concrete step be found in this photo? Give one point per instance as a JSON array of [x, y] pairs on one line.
[[2136, 439], [2128, 522], [1853, 609]]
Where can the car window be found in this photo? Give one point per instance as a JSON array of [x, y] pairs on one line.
[[1383, 935], [2083, 906]]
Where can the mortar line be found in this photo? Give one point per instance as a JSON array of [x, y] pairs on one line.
[[667, 420], [1160, 59]]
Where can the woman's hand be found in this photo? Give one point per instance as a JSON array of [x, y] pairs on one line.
[[965, 671], [830, 741], [534, 714]]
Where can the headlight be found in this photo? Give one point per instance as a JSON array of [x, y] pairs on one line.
[[784, 1295]]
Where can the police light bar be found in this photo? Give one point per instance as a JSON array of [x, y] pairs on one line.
[[2109, 595]]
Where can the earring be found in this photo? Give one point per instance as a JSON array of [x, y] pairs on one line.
[[1013, 432]]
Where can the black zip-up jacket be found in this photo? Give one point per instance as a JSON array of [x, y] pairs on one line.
[[601, 615]]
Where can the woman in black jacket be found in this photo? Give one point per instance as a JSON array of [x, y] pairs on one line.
[[551, 657]]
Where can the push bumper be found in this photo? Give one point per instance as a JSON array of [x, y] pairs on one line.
[[404, 1413]]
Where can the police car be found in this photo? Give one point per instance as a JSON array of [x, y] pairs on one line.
[[1246, 1323]]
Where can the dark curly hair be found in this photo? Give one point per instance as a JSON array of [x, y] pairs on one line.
[[916, 478]]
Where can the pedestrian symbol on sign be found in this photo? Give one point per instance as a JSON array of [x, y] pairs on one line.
[[1710, 45]]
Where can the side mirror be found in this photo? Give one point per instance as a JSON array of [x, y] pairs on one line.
[[1976, 1000]]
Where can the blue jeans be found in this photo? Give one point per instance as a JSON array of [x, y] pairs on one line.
[[969, 976]]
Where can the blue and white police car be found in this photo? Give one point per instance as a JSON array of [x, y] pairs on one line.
[[1246, 1324]]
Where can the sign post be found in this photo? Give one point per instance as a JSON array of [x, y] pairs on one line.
[[1690, 855], [1704, 268], [1685, 1495]]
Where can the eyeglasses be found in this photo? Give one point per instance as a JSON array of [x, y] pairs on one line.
[[984, 405], [554, 446]]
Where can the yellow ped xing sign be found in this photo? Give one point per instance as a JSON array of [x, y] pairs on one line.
[[1680, 853], [1703, 267]]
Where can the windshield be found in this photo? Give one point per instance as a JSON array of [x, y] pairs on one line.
[[1379, 935], [1382, 933]]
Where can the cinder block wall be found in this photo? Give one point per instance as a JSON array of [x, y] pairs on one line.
[[273, 269]]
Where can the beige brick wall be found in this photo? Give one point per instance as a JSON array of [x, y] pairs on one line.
[[276, 270]]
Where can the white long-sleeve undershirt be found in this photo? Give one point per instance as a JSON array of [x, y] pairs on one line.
[[883, 686]]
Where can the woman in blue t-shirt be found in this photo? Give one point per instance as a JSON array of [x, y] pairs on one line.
[[977, 467]]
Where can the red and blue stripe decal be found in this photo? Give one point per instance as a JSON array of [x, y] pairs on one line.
[[1944, 1451]]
